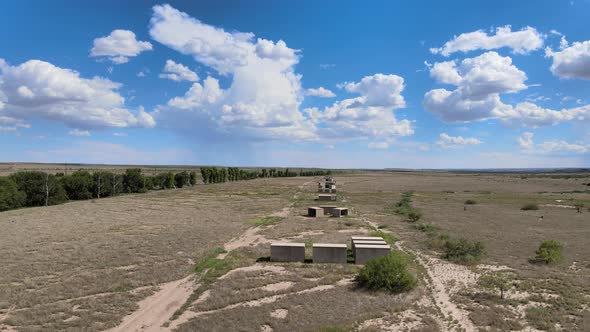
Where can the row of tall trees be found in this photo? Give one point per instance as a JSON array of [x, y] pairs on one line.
[[221, 174], [41, 189]]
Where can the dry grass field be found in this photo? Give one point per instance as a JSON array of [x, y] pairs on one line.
[[196, 259]]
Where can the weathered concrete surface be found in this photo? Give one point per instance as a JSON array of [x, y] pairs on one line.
[[374, 238], [287, 252], [329, 253], [376, 241], [326, 197], [366, 252], [315, 211], [339, 212], [328, 208]]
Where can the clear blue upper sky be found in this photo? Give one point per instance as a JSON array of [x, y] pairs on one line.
[[419, 84]]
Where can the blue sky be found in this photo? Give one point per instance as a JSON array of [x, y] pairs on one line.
[[412, 84]]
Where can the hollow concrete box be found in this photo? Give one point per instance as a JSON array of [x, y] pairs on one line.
[[339, 212], [328, 209], [366, 252], [329, 253], [376, 242], [315, 211], [287, 252]]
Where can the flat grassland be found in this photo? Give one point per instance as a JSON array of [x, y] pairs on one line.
[[197, 258]]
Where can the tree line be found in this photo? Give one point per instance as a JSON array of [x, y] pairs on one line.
[[34, 188], [222, 174]]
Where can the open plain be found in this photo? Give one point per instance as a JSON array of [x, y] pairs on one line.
[[197, 258]]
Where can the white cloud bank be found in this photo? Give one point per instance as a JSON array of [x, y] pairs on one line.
[[178, 72], [571, 61], [266, 106], [38, 89], [479, 83], [320, 92], [119, 46], [527, 144], [447, 141], [521, 42], [79, 133]]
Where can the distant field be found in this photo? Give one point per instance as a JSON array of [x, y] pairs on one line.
[[89, 265]]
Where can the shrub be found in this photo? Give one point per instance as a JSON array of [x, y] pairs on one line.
[[495, 281], [470, 202], [549, 252], [10, 196], [529, 207], [414, 215], [388, 273], [463, 251], [193, 178], [437, 242], [426, 228]]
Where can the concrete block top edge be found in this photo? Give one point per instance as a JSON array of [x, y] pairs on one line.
[[375, 242], [372, 246], [329, 245], [315, 208], [287, 244], [366, 238], [341, 208]]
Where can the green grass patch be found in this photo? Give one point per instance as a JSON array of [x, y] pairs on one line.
[[463, 251], [266, 220], [388, 237], [530, 207], [404, 208], [426, 228]]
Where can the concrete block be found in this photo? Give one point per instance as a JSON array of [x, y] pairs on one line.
[[377, 238], [339, 212], [329, 253], [315, 211], [326, 197], [287, 252], [376, 242], [328, 208], [366, 252]]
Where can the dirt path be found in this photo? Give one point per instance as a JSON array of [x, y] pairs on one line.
[[156, 310]]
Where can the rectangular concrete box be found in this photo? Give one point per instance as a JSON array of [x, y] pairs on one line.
[[366, 252], [339, 212], [380, 241], [315, 211], [326, 197], [287, 252], [328, 208], [366, 238], [329, 253]]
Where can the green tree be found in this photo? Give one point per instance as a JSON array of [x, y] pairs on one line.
[[133, 181], [10, 196], [193, 178], [40, 188], [79, 185], [495, 281], [181, 179]]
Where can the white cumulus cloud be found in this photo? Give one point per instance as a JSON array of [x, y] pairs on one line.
[[320, 92], [378, 145], [447, 141], [521, 41], [78, 132], [571, 61], [178, 72], [528, 145], [119, 46], [40, 89]]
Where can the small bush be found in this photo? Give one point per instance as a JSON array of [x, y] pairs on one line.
[[549, 252], [438, 242], [495, 282], [530, 207], [387, 273], [426, 228], [463, 251], [470, 202], [267, 221], [414, 215]]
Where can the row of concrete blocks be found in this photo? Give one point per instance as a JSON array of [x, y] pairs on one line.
[[327, 190], [326, 197], [364, 249], [323, 210]]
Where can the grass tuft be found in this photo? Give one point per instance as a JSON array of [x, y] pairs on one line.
[[266, 220]]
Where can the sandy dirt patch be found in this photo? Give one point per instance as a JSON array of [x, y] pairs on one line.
[[279, 313], [278, 286]]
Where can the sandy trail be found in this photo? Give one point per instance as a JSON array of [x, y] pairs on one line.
[[156, 310]]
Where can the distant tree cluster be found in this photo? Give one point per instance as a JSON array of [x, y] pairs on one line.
[[23, 189], [221, 174]]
